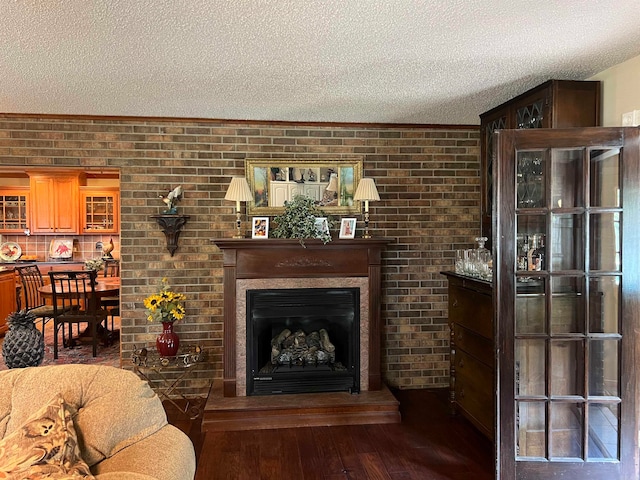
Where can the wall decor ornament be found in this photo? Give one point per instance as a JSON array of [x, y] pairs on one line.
[[171, 199], [171, 226]]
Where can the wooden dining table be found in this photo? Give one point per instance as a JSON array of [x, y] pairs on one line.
[[105, 287]]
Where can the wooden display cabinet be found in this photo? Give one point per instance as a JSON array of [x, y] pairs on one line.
[[14, 205], [54, 203], [553, 104], [100, 209]]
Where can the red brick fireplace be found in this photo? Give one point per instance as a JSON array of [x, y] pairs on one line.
[[251, 264]]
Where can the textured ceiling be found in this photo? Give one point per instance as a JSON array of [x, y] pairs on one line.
[[387, 61]]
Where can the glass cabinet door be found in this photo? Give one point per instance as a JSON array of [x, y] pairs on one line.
[[564, 313], [13, 211], [100, 212]]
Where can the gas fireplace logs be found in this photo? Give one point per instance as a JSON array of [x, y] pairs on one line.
[[302, 349]]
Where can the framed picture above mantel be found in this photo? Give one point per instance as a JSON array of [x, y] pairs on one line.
[[331, 184]]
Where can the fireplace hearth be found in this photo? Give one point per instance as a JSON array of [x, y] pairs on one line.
[[303, 340]]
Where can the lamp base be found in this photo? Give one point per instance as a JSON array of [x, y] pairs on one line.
[[238, 226], [366, 233]]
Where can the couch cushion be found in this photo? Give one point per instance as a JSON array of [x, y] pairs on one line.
[[111, 408], [45, 446]]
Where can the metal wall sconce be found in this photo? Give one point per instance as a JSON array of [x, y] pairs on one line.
[[171, 226]]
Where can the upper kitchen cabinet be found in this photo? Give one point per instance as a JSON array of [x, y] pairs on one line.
[[54, 203], [99, 209], [14, 204], [553, 104]]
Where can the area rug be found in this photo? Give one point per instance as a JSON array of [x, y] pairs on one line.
[[81, 352]]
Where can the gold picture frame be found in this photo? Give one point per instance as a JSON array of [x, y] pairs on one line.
[[332, 184]]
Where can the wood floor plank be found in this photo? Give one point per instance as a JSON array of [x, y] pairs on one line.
[[327, 450], [374, 466], [311, 462]]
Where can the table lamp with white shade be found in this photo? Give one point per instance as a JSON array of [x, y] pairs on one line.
[[240, 192], [366, 192]]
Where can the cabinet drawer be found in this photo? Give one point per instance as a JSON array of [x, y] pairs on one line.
[[477, 374], [472, 310], [474, 391], [475, 345]]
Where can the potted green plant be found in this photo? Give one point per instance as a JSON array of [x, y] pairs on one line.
[[299, 221]]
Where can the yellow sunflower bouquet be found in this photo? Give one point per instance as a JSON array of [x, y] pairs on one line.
[[166, 305]]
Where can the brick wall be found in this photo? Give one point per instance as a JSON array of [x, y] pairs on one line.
[[429, 184]]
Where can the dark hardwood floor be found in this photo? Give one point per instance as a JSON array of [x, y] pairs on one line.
[[428, 444]]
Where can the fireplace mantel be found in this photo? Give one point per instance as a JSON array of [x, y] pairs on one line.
[[286, 258]]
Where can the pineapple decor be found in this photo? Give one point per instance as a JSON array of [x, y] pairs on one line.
[[23, 344]]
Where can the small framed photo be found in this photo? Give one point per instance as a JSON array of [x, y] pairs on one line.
[[260, 227], [348, 228], [322, 225]]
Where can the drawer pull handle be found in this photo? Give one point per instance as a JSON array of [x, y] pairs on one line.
[[454, 303], [461, 363], [462, 393]]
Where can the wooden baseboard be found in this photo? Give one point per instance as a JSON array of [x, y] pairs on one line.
[[301, 410]]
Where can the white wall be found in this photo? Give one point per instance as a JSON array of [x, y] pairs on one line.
[[620, 91]]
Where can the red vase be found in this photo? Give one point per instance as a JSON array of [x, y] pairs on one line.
[[168, 341]]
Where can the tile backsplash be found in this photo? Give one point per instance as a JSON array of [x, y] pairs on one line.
[[84, 246]]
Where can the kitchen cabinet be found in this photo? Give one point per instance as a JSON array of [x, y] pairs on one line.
[[472, 350], [567, 313], [7, 297], [553, 104], [99, 210], [54, 203], [14, 205]]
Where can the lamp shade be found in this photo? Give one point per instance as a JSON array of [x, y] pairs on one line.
[[333, 183], [366, 190], [239, 190]]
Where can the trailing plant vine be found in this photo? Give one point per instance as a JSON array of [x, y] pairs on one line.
[[299, 221]]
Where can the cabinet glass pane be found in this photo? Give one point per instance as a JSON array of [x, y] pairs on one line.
[[604, 420], [567, 305], [567, 374], [530, 367], [13, 212], [604, 305], [567, 234], [604, 367], [566, 430], [604, 241], [531, 238], [530, 188], [566, 179], [530, 116], [530, 311], [531, 435], [605, 178]]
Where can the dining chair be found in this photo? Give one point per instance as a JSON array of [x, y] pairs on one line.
[[31, 279], [75, 302], [111, 304]]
